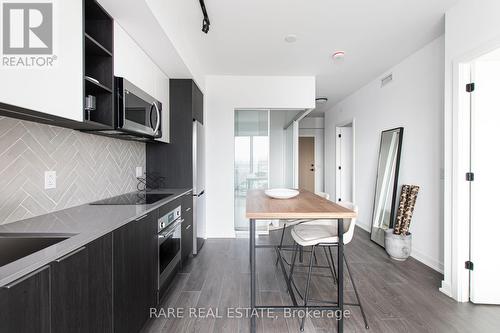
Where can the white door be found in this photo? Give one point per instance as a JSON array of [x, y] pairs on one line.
[[485, 163], [344, 164]]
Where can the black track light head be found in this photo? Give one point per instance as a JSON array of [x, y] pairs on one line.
[[206, 20], [206, 26]]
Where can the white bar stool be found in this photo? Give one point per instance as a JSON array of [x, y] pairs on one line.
[[323, 233], [283, 224]]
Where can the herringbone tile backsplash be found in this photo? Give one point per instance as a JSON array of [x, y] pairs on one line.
[[89, 167]]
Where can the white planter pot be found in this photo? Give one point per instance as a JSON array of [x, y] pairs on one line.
[[398, 247]]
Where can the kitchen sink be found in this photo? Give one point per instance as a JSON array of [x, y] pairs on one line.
[[14, 246]]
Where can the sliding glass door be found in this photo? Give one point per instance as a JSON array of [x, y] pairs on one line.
[[251, 158]]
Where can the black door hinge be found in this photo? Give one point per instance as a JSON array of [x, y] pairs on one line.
[[469, 176], [340, 135], [470, 87], [340, 168], [469, 265]]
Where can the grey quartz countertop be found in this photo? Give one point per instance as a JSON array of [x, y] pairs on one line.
[[83, 224]]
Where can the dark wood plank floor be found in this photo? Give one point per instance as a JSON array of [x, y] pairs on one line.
[[397, 297]]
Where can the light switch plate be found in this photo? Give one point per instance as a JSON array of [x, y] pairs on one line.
[[50, 180], [138, 172]]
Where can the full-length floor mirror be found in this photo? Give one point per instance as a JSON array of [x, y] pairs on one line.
[[386, 186]]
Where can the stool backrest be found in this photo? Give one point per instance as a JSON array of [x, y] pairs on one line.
[[349, 234]]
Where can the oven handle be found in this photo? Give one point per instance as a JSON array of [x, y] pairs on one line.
[[171, 230]]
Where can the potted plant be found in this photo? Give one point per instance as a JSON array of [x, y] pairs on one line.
[[398, 240]]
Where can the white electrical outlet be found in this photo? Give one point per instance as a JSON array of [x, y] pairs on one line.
[[50, 180], [138, 172]]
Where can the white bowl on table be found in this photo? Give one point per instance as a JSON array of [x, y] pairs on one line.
[[281, 193]]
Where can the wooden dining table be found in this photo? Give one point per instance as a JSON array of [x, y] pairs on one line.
[[306, 205]]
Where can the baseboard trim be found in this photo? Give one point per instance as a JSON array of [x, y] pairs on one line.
[[426, 260], [417, 255], [364, 227], [446, 289]]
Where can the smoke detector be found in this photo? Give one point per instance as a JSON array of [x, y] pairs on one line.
[[338, 56]]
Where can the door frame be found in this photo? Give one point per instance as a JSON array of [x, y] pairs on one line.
[[456, 190], [298, 157], [337, 158]]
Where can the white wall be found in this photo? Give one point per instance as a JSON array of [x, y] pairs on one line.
[[179, 28], [315, 127], [223, 95], [472, 27], [414, 100]]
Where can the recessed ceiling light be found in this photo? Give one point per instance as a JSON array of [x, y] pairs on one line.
[[338, 55], [321, 100], [291, 38]]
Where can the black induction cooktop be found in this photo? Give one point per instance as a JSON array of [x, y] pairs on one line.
[[135, 198]]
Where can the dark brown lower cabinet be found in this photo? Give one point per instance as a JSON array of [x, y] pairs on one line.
[[101, 284], [25, 303], [82, 289], [70, 292], [108, 285], [135, 272]]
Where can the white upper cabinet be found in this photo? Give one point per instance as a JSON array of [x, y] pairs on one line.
[[42, 57], [133, 64]]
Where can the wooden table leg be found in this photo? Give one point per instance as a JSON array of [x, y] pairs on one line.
[[252, 276], [340, 256]]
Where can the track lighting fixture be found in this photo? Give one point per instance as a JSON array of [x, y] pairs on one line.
[[206, 20]]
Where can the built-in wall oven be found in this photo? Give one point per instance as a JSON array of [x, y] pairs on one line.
[[169, 246]]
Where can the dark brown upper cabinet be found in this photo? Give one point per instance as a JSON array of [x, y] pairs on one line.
[[174, 161]]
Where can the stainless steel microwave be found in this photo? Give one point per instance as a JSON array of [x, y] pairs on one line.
[[136, 111]]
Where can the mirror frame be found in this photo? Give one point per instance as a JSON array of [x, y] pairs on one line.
[[395, 187]]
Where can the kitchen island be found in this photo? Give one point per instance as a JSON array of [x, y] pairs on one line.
[[306, 205]]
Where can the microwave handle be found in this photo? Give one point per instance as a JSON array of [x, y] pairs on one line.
[[158, 117]]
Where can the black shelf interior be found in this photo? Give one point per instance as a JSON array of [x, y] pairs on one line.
[[100, 69], [98, 24], [98, 57], [93, 47], [96, 88]]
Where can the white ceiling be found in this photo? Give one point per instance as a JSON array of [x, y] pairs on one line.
[[247, 37]]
